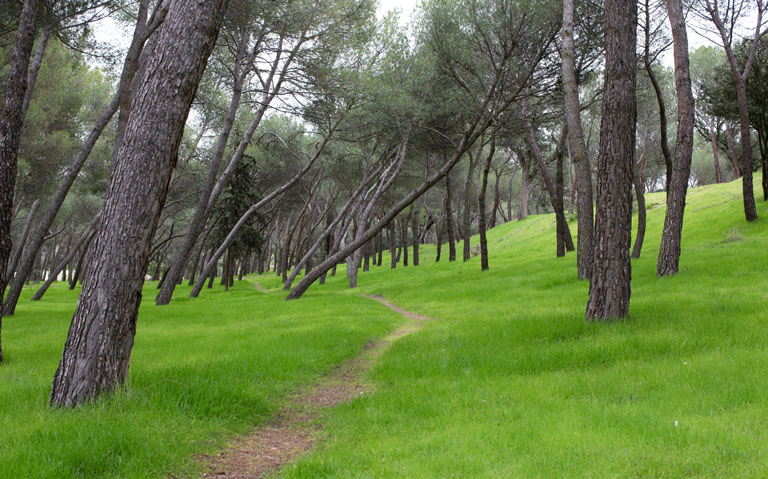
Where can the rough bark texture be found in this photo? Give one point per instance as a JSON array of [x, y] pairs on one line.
[[669, 253], [609, 288], [37, 237], [98, 347], [11, 122], [577, 146]]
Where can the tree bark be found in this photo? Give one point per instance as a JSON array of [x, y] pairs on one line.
[[11, 123], [731, 150], [715, 150], [610, 283], [641, 209], [564, 239], [449, 219], [98, 347], [525, 188], [669, 253], [577, 147], [659, 98], [481, 206], [37, 237]]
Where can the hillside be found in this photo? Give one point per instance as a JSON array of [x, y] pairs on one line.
[[508, 382]]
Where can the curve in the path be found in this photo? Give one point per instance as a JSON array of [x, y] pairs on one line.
[[294, 431]]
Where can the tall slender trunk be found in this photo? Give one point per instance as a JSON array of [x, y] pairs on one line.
[[677, 186], [525, 188], [466, 212], [11, 123], [576, 146], [564, 239], [732, 150], [715, 150], [641, 209], [98, 347], [659, 97], [610, 283], [449, 220], [481, 206]]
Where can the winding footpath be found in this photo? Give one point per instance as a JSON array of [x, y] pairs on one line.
[[294, 430]]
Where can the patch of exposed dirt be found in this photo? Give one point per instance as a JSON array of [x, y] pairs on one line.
[[260, 287], [295, 429]]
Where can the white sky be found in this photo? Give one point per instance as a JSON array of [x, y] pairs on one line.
[[406, 8]]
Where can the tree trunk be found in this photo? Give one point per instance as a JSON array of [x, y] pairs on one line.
[[11, 122], [481, 206], [415, 233], [37, 237], [466, 218], [22, 241], [610, 283], [750, 210], [659, 98], [82, 242], [98, 347], [715, 150], [449, 220], [564, 239], [525, 188], [732, 150], [392, 245], [669, 253], [641, 209], [577, 146]]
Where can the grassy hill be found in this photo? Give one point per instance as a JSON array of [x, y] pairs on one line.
[[510, 382]]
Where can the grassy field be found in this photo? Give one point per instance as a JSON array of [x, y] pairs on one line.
[[510, 382]]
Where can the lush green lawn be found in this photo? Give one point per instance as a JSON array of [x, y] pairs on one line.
[[201, 370], [513, 383], [510, 383]]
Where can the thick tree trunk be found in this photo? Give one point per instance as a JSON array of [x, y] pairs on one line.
[[669, 253], [577, 147], [37, 237], [11, 122], [610, 283], [98, 347]]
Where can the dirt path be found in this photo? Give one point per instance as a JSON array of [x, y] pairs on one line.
[[260, 287], [295, 430]]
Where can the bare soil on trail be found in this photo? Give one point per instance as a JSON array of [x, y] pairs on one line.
[[295, 429], [260, 287]]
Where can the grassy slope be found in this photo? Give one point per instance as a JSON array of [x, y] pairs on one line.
[[513, 383], [201, 370]]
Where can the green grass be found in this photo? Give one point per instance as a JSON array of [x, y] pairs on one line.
[[511, 382], [201, 371]]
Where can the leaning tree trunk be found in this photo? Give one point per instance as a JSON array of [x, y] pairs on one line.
[[750, 210], [11, 122], [659, 98], [609, 288], [577, 146], [641, 209], [37, 236], [669, 253], [98, 347]]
